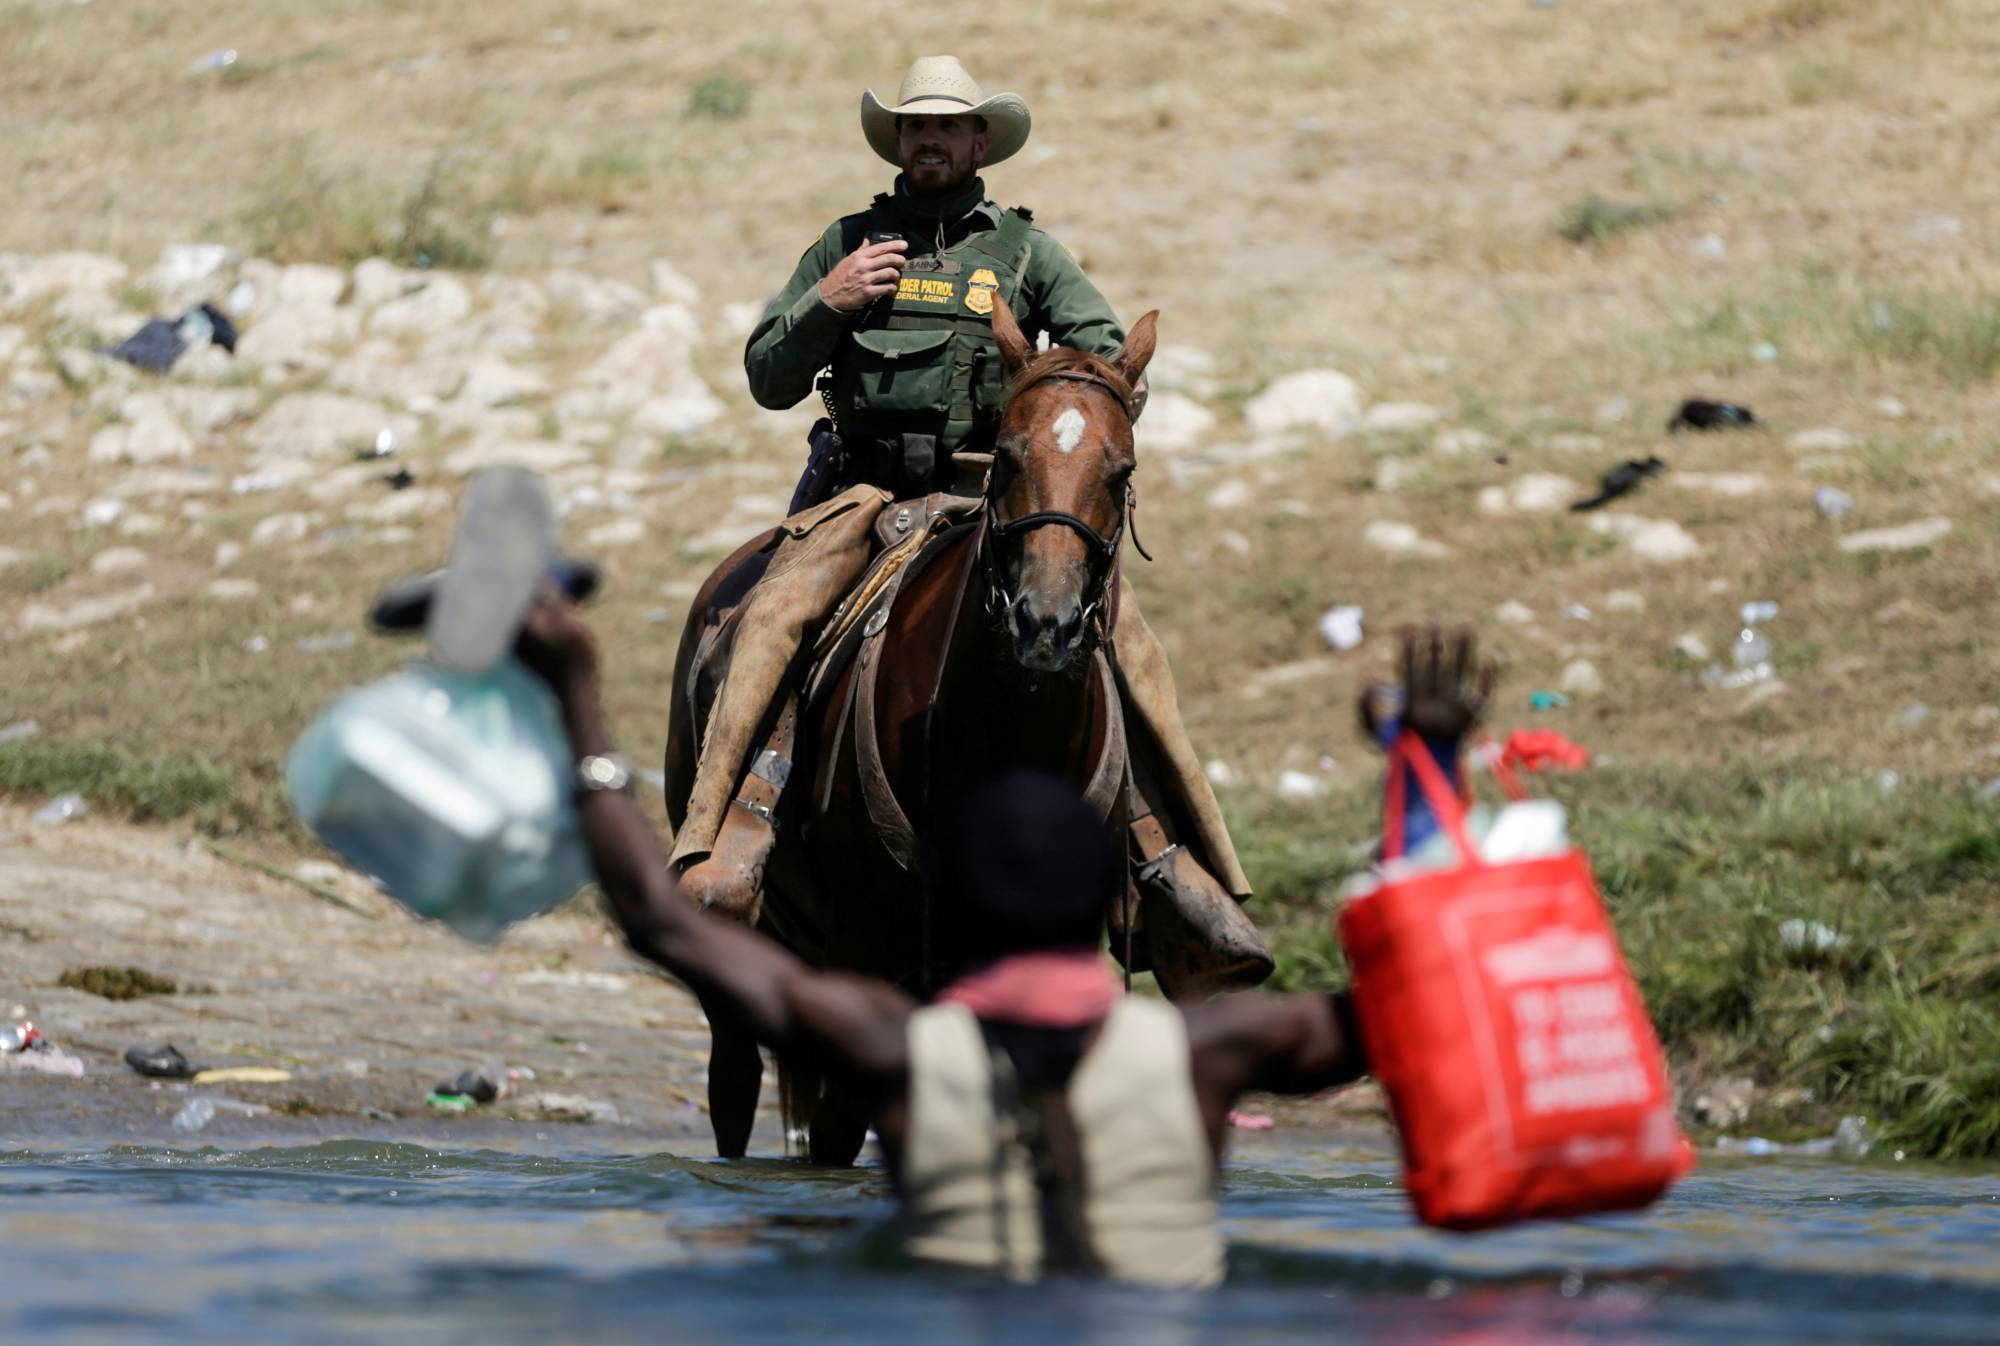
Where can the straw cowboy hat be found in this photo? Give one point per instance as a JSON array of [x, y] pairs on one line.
[[937, 86]]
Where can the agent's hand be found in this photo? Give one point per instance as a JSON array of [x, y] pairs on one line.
[[554, 641], [1445, 689], [864, 275]]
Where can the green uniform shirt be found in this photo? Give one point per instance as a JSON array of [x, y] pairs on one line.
[[923, 360]]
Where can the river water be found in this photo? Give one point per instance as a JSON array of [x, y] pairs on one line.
[[563, 1240]]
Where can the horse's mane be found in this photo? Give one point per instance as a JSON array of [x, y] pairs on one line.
[[1063, 360]]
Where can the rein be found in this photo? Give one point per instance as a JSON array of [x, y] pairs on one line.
[[998, 530]]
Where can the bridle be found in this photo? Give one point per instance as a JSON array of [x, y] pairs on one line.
[[1104, 549]]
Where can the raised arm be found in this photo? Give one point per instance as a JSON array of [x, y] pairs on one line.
[[853, 1023]]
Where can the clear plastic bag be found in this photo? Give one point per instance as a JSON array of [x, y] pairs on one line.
[[452, 792]]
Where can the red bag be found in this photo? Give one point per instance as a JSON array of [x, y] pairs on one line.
[[1498, 1014]]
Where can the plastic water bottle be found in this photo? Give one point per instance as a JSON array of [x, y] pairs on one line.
[[452, 791]]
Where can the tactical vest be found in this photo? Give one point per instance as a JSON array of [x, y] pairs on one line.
[[923, 362]]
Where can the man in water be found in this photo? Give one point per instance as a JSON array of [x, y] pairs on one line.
[[1035, 1118]]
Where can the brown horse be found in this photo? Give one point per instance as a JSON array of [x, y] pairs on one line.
[[997, 652]]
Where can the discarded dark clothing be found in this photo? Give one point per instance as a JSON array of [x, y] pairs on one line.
[[1622, 480], [160, 342], [1696, 414], [164, 1063], [472, 1084]]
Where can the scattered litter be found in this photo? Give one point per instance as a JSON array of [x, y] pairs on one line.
[[1833, 503], [243, 1075], [162, 341], [19, 730], [164, 1063], [1251, 1121], [1888, 782], [383, 447], [1622, 480], [43, 1060], [400, 480], [1700, 414], [1802, 936], [255, 483], [220, 59], [256, 644], [1914, 715], [450, 1102], [60, 810], [571, 1108], [1533, 749], [1762, 610], [1301, 785], [102, 513], [326, 644], [1691, 646], [1341, 626], [1576, 612], [21, 1037], [1752, 647], [1764, 352], [1851, 1139], [375, 1114], [201, 1111], [475, 1085], [1546, 700]]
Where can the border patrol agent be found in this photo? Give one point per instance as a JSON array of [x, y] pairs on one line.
[[895, 304]]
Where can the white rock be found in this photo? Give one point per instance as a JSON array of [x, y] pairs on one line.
[[12, 338], [1400, 417], [102, 513], [228, 554], [84, 612], [1514, 613], [671, 284], [442, 303], [141, 525], [1624, 600], [514, 299], [540, 454], [1903, 537], [1324, 400], [1734, 484], [1825, 438], [232, 590], [1576, 443], [207, 364], [154, 438], [281, 528], [1232, 495], [1542, 493], [1936, 228], [1341, 626], [1462, 440], [1691, 647], [379, 281], [1649, 539], [616, 533], [1892, 407], [416, 503], [11, 556], [1184, 369], [59, 273], [187, 273], [492, 382], [1172, 422], [1492, 500], [1232, 541], [202, 410], [595, 301], [117, 559], [687, 409], [740, 320], [1300, 786], [1614, 411], [376, 368], [1390, 474], [1401, 539], [296, 335], [1580, 678], [319, 425], [1710, 247], [309, 285], [1222, 775]]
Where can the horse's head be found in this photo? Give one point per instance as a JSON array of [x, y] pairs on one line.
[[1062, 465]]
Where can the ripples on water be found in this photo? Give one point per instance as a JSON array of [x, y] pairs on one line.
[[376, 1241]]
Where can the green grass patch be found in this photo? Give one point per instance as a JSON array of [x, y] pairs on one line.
[[719, 98], [1958, 335], [117, 983], [1899, 1020], [1595, 219], [145, 787], [304, 215]]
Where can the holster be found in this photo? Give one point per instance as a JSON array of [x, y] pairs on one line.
[[826, 467]]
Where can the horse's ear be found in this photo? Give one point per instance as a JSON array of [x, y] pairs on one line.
[[1014, 346], [1138, 348]]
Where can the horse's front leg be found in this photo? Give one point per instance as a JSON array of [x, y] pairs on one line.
[[735, 1075]]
